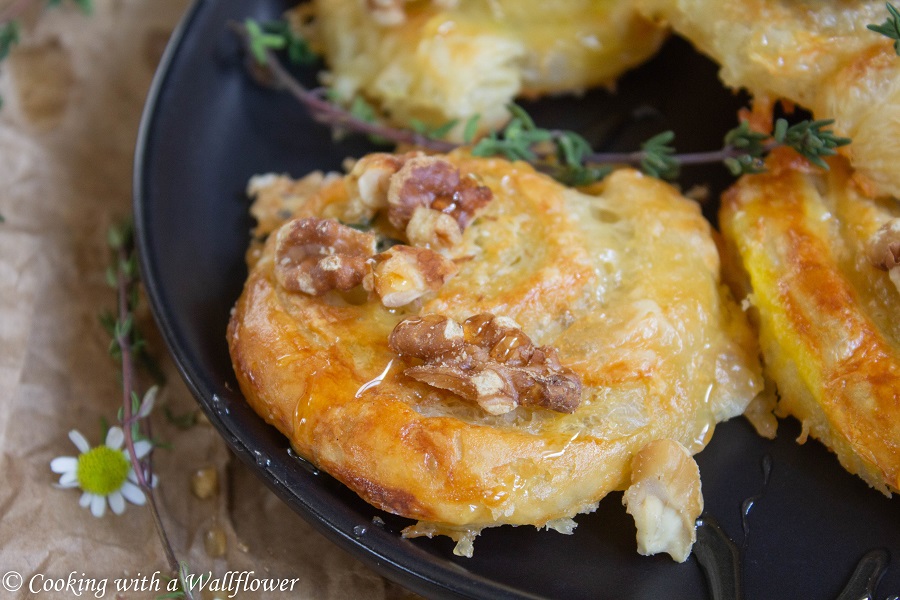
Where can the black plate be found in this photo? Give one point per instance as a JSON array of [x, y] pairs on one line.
[[207, 128]]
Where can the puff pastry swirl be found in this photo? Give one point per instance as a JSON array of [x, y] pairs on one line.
[[622, 281]]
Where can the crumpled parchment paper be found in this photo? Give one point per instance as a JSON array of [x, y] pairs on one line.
[[73, 92]]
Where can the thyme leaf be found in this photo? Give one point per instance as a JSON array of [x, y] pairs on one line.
[[810, 138], [659, 159], [437, 132], [471, 129], [890, 27], [9, 37], [516, 140], [261, 42], [277, 35]]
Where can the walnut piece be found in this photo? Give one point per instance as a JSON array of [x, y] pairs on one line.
[[367, 185], [430, 336], [402, 274], [664, 499], [436, 184], [495, 364], [429, 228], [883, 249], [425, 197], [315, 256]]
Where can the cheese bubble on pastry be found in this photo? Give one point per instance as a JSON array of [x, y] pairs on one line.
[[505, 374]]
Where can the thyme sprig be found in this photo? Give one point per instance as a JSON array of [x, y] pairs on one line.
[[658, 156], [890, 27], [322, 109], [565, 155], [810, 139], [277, 35], [124, 347]]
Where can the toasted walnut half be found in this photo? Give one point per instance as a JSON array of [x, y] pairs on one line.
[[664, 499], [402, 274], [425, 197], [436, 184], [494, 364], [315, 256], [367, 185]]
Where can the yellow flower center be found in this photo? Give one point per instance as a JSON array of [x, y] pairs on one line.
[[102, 470]]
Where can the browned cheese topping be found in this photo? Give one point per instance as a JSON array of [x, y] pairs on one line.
[[315, 256], [488, 360]]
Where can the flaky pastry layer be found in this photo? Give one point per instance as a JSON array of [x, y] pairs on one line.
[[818, 54], [437, 60], [826, 315]]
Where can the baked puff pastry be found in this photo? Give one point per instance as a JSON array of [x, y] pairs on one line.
[[818, 259], [485, 346], [818, 54], [439, 60]]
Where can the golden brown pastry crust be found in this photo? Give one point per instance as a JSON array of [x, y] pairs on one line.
[[827, 315], [451, 60], [622, 281], [818, 54]]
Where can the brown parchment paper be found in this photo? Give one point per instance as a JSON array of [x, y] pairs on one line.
[[73, 92]]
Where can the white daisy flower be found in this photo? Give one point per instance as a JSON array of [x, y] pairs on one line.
[[104, 473]]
